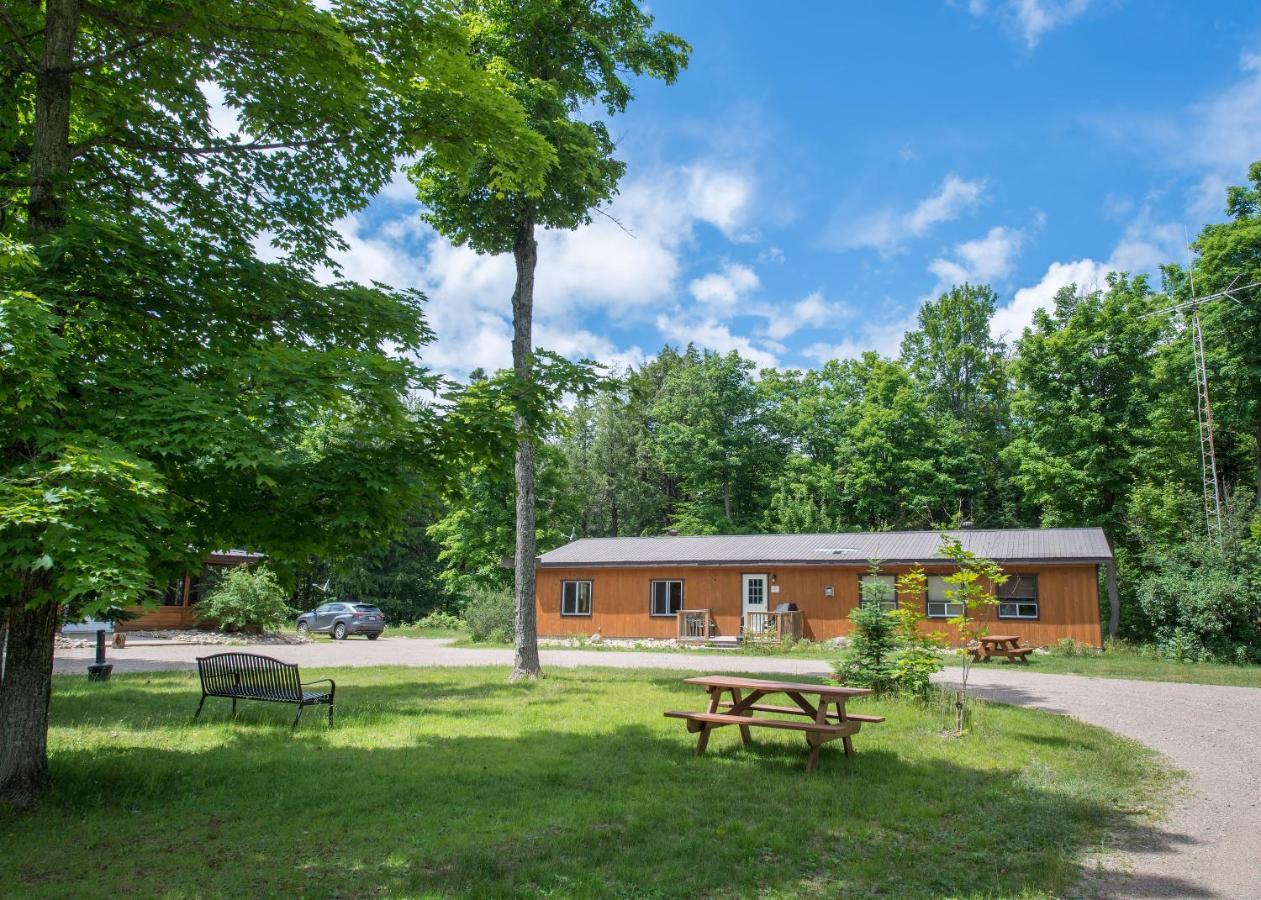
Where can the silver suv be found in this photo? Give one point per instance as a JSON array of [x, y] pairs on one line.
[[342, 620]]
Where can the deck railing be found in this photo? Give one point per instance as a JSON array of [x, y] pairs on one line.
[[695, 624], [772, 627]]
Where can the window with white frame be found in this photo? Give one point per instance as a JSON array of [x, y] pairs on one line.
[[667, 598], [1018, 597], [880, 589], [940, 605], [575, 598]]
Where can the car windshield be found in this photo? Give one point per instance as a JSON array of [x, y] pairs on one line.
[[363, 607]]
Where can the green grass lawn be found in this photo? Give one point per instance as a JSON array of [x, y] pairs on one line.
[[1118, 661], [454, 782], [1122, 662]]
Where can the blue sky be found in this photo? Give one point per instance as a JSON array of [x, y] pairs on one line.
[[823, 168]]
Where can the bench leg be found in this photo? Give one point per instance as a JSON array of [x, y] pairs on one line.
[[234, 707], [849, 746], [298, 717], [746, 737], [330, 715], [199, 706], [812, 761], [703, 740]]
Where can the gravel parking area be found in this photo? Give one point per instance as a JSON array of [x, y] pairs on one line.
[[1210, 846]]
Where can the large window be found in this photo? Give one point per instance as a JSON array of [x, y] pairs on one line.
[[1018, 597], [667, 598], [880, 589], [940, 605], [575, 598]]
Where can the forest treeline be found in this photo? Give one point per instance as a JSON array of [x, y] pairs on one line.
[[1088, 417]]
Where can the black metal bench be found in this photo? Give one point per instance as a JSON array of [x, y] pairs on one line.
[[249, 676]]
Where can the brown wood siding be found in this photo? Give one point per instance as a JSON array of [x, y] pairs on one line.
[[1068, 598], [161, 617]]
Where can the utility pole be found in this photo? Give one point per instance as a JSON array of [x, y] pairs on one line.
[[1204, 408]]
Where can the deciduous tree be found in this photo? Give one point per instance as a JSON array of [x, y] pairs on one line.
[[163, 390], [565, 58]]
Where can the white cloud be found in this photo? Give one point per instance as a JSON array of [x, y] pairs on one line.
[[1010, 320], [887, 230], [624, 270], [953, 197], [722, 290], [884, 338], [1221, 139], [812, 311], [711, 334], [984, 259], [721, 197], [1031, 19]]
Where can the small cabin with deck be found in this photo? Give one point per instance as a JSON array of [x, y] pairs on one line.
[[177, 602], [806, 585]]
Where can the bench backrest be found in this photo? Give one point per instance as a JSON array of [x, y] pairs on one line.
[[227, 674]]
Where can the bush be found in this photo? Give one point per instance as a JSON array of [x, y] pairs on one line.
[[442, 620], [1067, 646], [490, 616], [887, 651], [247, 599], [1203, 601]]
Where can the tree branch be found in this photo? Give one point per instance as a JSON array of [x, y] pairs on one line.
[[18, 38], [212, 150], [616, 222], [156, 34]]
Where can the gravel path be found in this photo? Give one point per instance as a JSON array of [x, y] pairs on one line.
[[1209, 847]]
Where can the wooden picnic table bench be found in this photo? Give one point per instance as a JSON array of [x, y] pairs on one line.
[[251, 676], [822, 725], [1007, 645]]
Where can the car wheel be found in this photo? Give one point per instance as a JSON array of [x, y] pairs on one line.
[[373, 637], [303, 628], [339, 631]]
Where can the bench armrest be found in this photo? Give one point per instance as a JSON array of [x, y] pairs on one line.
[[322, 681]]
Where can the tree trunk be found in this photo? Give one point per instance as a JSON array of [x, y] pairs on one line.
[[26, 667], [50, 139], [526, 661], [25, 687]]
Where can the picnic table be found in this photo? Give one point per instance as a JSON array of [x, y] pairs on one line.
[[1007, 645], [822, 725]]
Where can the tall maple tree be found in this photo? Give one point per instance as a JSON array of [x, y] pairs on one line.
[[165, 390]]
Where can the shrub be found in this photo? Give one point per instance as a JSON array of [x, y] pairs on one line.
[[1203, 599], [490, 615], [888, 652], [248, 599], [1067, 646], [441, 619]]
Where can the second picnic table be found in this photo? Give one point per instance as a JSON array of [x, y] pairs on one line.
[[823, 725], [1007, 645]]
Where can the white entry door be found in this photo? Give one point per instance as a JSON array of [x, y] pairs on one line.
[[754, 589]]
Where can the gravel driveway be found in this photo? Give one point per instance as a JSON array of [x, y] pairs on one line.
[[1210, 846]]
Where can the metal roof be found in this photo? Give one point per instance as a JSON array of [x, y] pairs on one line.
[[1027, 545]]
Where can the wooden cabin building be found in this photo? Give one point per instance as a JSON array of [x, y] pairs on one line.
[[639, 587], [177, 603]]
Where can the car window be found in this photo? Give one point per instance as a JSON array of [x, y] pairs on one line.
[[336, 607], [322, 609], [365, 607]]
